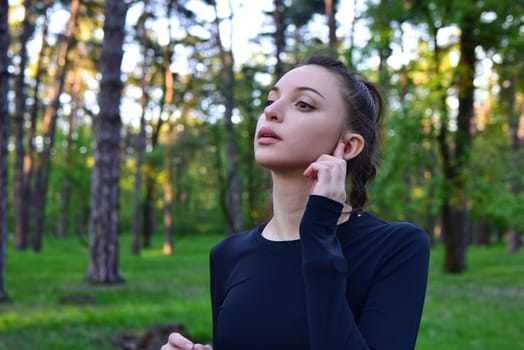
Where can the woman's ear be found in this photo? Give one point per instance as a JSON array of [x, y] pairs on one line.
[[354, 144]]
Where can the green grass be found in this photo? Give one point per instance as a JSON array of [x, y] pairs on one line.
[[158, 289], [480, 309]]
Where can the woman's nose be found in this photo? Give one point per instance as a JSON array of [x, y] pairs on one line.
[[274, 111]]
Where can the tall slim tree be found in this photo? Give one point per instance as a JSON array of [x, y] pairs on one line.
[[30, 152], [332, 25], [49, 126], [4, 134], [140, 144], [279, 36], [103, 240], [168, 109], [75, 92], [20, 109], [233, 213], [454, 205], [512, 71]]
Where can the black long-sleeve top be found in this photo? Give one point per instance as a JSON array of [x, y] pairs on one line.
[[357, 285]]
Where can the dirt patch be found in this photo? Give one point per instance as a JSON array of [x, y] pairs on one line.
[[152, 339]]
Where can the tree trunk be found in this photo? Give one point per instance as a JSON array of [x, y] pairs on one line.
[[384, 45], [169, 83], [512, 70], [148, 212], [332, 25], [483, 234], [148, 206], [513, 241], [137, 199], [454, 213], [280, 41], [20, 109], [4, 139], [30, 154], [103, 243], [452, 207], [453, 230], [49, 122], [66, 183], [233, 213], [141, 138], [167, 248]]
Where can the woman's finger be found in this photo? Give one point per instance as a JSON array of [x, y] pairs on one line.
[[339, 151], [180, 342]]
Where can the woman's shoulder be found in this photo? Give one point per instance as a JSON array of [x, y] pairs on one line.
[[385, 247], [235, 243], [364, 226]]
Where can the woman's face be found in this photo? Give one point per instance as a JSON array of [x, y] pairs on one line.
[[303, 119]]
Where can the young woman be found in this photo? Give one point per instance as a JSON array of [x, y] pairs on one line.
[[321, 274]]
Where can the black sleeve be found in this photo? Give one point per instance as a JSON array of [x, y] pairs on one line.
[[391, 314]]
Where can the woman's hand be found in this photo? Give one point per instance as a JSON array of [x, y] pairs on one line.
[[328, 174], [177, 341]]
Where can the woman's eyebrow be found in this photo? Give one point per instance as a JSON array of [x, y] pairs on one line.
[[306, 88], [300, 88]]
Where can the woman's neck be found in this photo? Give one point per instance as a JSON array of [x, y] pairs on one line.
[[290, 195]]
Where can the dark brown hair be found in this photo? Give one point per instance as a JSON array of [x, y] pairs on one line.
[[365, 109]]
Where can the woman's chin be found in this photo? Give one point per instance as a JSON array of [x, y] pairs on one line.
[[281, 165]]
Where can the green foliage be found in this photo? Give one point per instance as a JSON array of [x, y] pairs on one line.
[[475, 310], [299, 13], [251, 97], [78, 175], [409, 183], [492, 171]]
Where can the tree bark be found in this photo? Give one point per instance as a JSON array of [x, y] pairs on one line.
[[148, 211], [49, 124], [141, 138], [233, 213], [513, 241], [332, 25], [137, 199], [167, 248], [103, 243], [454, 237], [512, 69], [280, 41], [30, 154], [454, 215], [384, 45], [169, 88], [66, 183], [148, 207], [483, 236], [20, 109], [4, 139]]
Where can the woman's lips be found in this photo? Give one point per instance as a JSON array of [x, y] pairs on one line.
[[266, 136]]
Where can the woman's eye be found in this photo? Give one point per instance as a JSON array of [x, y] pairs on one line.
[[304, 105], [269, 102]]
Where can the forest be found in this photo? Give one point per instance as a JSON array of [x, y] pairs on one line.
[[136, 118]]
